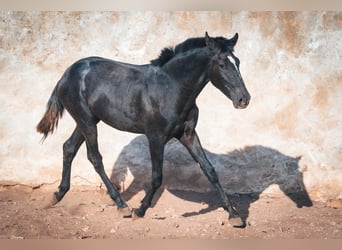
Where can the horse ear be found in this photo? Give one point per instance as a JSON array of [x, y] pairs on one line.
[[234, 40], [209, 41]]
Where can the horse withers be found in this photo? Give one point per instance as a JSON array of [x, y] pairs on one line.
[[157, 99]]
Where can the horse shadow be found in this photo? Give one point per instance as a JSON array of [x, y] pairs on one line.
[[244, 175]]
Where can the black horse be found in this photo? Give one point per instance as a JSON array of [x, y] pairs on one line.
[[158, 100]]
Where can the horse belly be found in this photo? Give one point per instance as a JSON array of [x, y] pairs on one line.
[[118, 112], [121, 121]]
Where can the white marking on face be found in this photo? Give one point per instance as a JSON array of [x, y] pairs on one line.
[[232, 60]]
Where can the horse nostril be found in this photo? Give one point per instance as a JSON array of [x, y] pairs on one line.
[[243, 102]]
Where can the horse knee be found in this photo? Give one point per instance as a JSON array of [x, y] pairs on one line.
[[94, 157], [157, 183], [157, 180], [96, 161], [69, 150], [211, 175], [214, 176]]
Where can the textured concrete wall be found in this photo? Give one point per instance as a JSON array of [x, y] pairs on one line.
[[291, 63]]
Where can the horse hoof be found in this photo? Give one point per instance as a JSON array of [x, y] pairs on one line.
[[134, 215], [125, 212], [54, 200], [237, 222], [137, 213], [51, 203]]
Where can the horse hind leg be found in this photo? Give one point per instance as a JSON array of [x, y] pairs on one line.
[[70, 149], [86, 126], [89, 131]]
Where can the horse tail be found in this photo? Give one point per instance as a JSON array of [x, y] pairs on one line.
[[54, 111]]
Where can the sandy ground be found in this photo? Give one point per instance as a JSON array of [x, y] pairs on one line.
[[88, 213]]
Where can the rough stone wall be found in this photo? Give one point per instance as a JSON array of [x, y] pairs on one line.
[[290, 61]]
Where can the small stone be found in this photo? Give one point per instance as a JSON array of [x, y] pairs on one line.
[[252, 223], [334, 203], [102, 208], [14, 237]]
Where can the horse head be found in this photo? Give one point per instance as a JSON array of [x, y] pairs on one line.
[[224, 72]]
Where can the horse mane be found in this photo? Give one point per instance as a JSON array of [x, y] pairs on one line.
[[189, 44], [192, 43], [165, 55], [168, 53]]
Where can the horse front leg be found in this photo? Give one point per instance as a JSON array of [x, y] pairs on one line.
[[191, 141], [157, 154]]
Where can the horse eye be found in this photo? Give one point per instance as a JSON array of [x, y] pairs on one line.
[[221, 65]]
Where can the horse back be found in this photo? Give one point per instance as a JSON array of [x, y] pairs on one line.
[[122, 95]]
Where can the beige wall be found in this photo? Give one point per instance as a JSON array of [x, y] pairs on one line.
[[291, 63]]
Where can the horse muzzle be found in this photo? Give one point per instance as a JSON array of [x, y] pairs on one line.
[[241, 100]]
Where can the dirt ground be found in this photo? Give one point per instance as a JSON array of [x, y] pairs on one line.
[[88, 213]]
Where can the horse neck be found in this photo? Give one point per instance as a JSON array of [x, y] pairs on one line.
[[190, 72]]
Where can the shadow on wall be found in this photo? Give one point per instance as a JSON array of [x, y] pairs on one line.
[[244, 174]]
